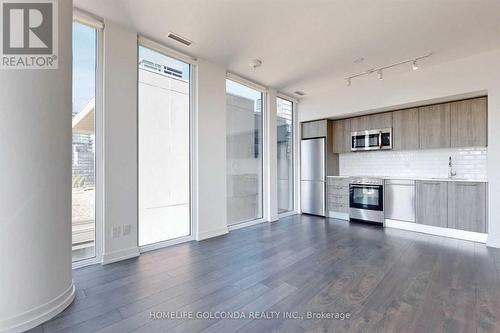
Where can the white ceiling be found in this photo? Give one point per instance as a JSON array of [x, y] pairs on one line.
[[306, 44]]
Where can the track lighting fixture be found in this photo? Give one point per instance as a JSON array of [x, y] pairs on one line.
[[379, 70]]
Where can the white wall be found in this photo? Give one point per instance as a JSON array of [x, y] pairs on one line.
[[472, 74], [35, 196], [120, 142], [211, 150]]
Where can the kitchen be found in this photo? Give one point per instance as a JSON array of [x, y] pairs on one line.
[[421, 169]]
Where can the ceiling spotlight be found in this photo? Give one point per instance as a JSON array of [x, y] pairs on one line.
[[348, 81], [254, 63], [414, 65], [380, 75]]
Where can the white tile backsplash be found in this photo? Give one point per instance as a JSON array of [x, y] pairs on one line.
[[469, 163]]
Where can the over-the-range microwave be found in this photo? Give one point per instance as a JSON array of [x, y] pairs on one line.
[[376, 139]]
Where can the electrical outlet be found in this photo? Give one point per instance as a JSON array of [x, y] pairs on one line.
[[127, 229], [116, 232]]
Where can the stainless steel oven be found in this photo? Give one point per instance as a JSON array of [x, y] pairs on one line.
[[366, 199], [371, 139]]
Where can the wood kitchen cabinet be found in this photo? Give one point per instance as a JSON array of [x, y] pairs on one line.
[[432, 203], [342, 136], [467, 206], [469, 124], [337, 197], [434, 126], [373, 121], [314, 129], [405, 133]]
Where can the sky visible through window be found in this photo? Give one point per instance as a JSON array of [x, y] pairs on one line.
[[84, 63]]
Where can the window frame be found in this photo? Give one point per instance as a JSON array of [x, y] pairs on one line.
[[193, 162], [264, 151], [86, 19], [295, 183]]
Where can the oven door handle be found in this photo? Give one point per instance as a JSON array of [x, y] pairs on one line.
[[366, 186], [380, 140]]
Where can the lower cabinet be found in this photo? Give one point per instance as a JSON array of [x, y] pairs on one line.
[[454, 205], [337, 197], [432, 203], [467, 206]]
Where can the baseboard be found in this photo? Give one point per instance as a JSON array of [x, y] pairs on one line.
[[41, 314], [445, 232], [241, 225], [212, 233], [493, 243], [273, 218], [112, 257]]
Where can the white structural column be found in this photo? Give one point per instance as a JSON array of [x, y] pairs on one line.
[[210, 147], [35, 197], [120, 143], [271, 161]]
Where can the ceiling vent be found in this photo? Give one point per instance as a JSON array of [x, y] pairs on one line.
[[300, 93], [179, 39]]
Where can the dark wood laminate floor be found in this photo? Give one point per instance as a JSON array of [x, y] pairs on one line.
[[388, 280]]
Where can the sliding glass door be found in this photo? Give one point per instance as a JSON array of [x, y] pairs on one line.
[[244, 107], [164, 147], [285, 140], [83, 113]]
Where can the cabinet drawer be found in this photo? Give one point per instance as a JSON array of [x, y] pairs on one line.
[[343, 182], [338, 199], [338, 207], [338, 189]]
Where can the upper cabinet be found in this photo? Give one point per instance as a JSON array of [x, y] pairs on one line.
[[434, 126], [342, 136], [455, 124], [314, 129], [373, 121], [469, 123], [405, 129]]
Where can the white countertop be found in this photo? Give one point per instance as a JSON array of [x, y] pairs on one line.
[[420, 178]]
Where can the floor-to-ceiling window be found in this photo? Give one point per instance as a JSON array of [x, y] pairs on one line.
[[284, 122], [164, 147], [244, 110], [83, 112]]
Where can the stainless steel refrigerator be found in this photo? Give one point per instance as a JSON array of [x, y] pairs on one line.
[[313, 176]]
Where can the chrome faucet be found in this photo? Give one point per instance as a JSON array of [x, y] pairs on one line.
[[451, 173]]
